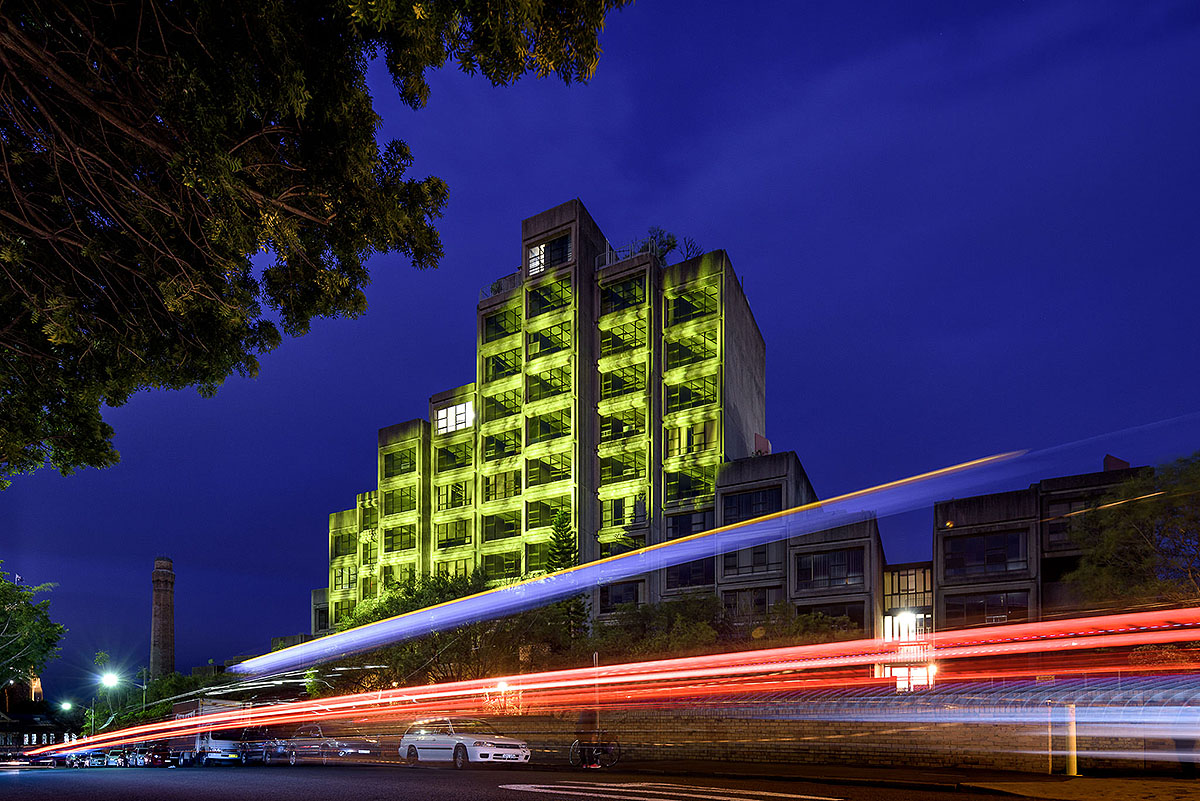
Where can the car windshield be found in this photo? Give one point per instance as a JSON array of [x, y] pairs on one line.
[[226, 734], [473, 727]]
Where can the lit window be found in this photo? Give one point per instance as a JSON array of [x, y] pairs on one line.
[[454, 418]]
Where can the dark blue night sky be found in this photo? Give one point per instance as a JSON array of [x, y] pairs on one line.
[[964, 228]]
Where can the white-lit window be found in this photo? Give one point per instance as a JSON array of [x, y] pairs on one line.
[[454, 418], [537, 259]]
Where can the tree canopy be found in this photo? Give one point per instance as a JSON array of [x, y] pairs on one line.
[[1143, 539], [28, 637], [150, 149]]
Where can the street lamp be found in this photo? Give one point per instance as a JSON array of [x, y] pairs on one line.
[[110, 680], [66, 706]]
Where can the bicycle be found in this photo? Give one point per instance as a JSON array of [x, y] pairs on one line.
[[604, 752]]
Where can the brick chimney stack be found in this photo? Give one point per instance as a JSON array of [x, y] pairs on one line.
[[162, 619]]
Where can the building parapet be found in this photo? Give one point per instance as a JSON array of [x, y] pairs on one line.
[[502, 285]]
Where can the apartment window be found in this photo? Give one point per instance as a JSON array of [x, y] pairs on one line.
[[907, 588], [453, 457], [548, 383], [692, 574], [499, 406], [628, 511], [686, 525], [547, 469], [625, 294], [549, 340], [690, 438], [402, 499], [829, 569], [853, 611], [623, 381], [344, 578], [550, 296], [542, 513], [454, 418], [688, 484], [622, 467], [748, 561], [501, 485], [399, 538], [614, 595], [501, 324], [399, 463], [501, 444], [502, 365], [699, 391], [536, 555], [690, 350], [501, 526], [627, 543], [342, 610], [502, 565], [452, 567], [370, 517], [549, 254], [548, 426], [742, 506], [452, 533], [394, 574], [752, 602], [370, 553], [693, 304], [453, 496], [1059, 514], [989, 607], [343, 545], [621, 338], [985, 554], [619, 425], [370, 587]]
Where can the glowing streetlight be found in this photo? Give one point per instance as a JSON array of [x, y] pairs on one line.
[[66, 706], [110, 680]]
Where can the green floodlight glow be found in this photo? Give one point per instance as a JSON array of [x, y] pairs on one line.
[[110, 679], [66, 706]]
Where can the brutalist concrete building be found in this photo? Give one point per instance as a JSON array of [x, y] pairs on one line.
[[607, 383]]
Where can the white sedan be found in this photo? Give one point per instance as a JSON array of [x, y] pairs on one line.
[[461, 741]]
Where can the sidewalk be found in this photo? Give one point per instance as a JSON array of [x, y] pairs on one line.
[[1027, 785]]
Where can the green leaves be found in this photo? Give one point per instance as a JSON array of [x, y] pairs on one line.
[[1143, 540], [28, 638], [151, 149]]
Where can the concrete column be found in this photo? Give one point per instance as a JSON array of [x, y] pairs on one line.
[[162, 619]]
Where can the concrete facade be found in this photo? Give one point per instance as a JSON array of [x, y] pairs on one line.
[[1002, 558], [606, 384]]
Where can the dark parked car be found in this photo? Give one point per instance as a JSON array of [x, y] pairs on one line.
[[311, 743], [89, 759], [258, 744], [152, 756]]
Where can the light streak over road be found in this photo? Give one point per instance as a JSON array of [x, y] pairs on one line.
[[660, 683]]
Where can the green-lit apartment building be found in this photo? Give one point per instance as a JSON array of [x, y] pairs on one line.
[[606, 383]]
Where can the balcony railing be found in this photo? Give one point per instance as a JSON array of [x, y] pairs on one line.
[[505, 283]]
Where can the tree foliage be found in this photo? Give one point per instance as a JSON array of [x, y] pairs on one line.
[[1143, 540], [150, 149], [28, 637]]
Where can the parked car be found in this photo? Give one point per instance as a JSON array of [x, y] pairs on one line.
[[311, 743], [118, 757], [89, 759], [462, 742], [258, 744], [152, 756]]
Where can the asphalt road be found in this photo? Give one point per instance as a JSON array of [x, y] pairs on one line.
[[371, 783]]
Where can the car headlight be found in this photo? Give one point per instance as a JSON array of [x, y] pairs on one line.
[[483, 744]]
